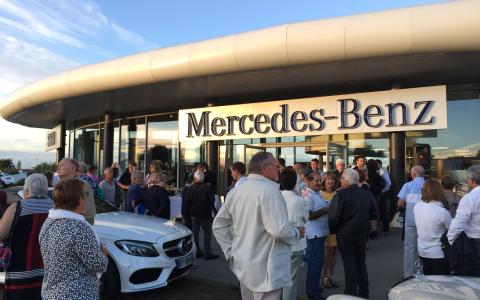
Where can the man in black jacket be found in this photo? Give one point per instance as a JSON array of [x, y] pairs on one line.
[[348, 217], [201, 204]]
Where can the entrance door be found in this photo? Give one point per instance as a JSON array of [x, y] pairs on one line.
[[334, 151]]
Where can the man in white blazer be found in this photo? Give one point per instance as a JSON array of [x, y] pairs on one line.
[[253, 230]]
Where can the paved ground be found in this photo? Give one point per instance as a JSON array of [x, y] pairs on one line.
[[213, 279]]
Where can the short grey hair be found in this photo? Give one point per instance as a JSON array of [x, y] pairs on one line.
[[418, 170], [257, 162], [158, 178], [36, 185], [339, 161], [351, 176], [137, 174], [199, 176], [474, 173]]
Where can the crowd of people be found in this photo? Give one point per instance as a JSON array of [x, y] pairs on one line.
[[309, 215], [276, 214]]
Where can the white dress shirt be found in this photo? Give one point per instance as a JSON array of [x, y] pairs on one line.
[[240, 181], [297, 208], [432, 220], [467, 218]]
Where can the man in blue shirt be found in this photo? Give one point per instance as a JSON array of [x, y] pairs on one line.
[[409, 195]]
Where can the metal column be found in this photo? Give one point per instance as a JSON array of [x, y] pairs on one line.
[[397, 160], [61, 151], [212, 158], [107, 141]]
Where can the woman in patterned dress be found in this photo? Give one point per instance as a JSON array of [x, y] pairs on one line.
[[71, 251], [329, 183], [23, 278]]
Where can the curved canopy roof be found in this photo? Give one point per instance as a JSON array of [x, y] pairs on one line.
[[423, 45]]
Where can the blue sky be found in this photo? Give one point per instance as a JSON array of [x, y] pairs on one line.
[[42, 37]]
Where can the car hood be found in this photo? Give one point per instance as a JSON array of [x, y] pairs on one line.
[[128, 226], [437, 287]]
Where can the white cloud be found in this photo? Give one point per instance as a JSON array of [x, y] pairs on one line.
[[73, 23]]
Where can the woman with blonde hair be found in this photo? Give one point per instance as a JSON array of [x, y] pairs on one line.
[[432, 221], [329, 183]]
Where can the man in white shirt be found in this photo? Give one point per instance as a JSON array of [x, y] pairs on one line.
[[409, 195], [297, 209], [316, 231], [257, 251], [238, 173], [467, 218]]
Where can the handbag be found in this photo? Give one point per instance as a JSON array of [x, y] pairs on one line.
[[397, 221], [5, 248]]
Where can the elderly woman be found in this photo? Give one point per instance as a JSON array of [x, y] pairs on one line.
[[21, 225], [156, 198], [71, 251], [432, 221]]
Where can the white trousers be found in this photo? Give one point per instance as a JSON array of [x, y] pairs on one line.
[[250, 295], [410, 250], [290, 292]]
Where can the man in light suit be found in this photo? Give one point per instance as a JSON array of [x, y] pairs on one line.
[[262, 239]]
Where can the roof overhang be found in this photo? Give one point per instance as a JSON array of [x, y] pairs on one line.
[[418, 46]]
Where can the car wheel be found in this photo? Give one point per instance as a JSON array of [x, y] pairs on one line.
[[110, 282]]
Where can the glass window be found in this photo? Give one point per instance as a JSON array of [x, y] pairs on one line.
[[162, 149], [453, 149], [132, 143], [191, 153], [116, 142], [87, 145]]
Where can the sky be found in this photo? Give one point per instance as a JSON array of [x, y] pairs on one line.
[[43, 37]]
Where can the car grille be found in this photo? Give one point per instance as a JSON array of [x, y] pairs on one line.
[[178, 247], [145, 275]]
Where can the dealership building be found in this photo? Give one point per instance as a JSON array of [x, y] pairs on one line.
[[395, 85]]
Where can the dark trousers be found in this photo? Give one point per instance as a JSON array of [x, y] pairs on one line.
[[435, 266], [206, 225], [476, 257], [352, 250], [383, 206]]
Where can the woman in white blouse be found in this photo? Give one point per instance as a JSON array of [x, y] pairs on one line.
[[432, 221]]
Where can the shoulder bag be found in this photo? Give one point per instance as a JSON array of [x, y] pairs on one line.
[[5, 248]]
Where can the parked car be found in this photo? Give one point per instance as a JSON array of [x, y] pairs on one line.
[[6, 179], [145, 252], [438, 287]]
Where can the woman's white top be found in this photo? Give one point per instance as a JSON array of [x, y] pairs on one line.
[[432, 221]]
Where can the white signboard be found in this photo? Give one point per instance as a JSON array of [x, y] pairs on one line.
[[393, 110], [53, 138]]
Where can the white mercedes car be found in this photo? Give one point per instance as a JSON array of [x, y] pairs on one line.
[[145, 252]]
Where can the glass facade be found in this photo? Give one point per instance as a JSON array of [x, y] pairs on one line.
[[154, 139]]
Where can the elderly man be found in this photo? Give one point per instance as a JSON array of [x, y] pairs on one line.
[[348, 216], [339, 168], [69, 168], [108, 186], [258, 251], [467, 218], [316, 232], [201, 204], [409, 195]]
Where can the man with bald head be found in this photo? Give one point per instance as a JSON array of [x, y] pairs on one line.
[[69, 168], [409, 195]]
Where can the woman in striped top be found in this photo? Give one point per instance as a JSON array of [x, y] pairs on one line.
[[23, 278]]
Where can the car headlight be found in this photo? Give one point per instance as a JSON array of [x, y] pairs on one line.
[[137, 248]]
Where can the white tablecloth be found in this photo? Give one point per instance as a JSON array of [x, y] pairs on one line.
[[176, 206]]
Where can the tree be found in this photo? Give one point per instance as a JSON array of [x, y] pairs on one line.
[[19, 165], [45, 167], [6, 163]]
